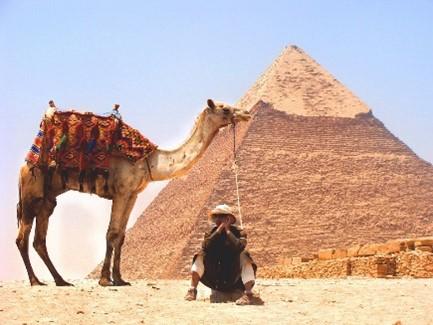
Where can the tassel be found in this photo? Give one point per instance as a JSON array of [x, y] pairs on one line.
[[62, 142], [64, 174], [90, 146], [106, 175], [81, 179], [91, 180]]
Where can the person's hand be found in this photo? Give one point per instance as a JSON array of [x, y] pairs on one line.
[[227, 225]]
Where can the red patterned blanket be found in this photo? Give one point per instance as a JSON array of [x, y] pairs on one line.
[[85, 141]]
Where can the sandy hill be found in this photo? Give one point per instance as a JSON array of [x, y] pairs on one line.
[[317, 170]]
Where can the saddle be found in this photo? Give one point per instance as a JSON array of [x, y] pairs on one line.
[[85, 142]]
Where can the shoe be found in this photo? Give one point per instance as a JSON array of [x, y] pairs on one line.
[[249, 299], [191, 294]]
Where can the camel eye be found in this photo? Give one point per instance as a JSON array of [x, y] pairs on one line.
[[226, 110]]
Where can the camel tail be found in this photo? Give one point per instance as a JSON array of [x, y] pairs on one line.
[[20, 204]]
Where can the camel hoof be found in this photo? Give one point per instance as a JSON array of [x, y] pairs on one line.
[[63, 283], [105, 282], [121, 283], [36, 282]]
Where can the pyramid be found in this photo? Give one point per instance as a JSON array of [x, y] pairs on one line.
[[316, 170]]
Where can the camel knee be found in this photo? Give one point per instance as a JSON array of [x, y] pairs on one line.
[[25, 226], [115, 237], [39, 245], [21, 243]]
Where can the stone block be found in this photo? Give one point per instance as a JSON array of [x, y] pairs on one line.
[[424, 241], [409, 242], [373, 266], [353, 251], [332, 253], [306, 259], [390, 247], [368, 250], [424, 248], [326, 254], [339, 253], [296, 260]]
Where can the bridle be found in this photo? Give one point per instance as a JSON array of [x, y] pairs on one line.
[[236, 170]]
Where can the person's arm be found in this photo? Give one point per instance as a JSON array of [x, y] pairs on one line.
[[241, 242], [209, 237]]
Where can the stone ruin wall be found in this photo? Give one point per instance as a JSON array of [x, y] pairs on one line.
[[394, 258]]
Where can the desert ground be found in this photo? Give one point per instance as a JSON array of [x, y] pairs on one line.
[[287, 301]]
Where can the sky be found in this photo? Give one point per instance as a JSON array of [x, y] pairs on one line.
[[161, 60]]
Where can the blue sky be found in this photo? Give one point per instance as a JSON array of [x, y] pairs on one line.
[[161, 60]]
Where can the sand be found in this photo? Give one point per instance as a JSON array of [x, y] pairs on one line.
[[291, 301]]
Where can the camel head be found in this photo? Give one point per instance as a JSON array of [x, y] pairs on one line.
[[222, 114]]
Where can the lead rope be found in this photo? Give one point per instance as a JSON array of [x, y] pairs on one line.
[[236, 169]]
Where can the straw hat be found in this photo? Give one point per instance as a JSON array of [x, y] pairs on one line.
[[223, 209]]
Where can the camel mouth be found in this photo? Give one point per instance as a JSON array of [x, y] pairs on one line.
[[241, 115]]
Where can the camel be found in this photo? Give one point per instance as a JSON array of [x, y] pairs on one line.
[[126, 180]]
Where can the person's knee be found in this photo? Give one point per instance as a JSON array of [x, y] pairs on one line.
[[195, 275], [198, 266], [247, 274]]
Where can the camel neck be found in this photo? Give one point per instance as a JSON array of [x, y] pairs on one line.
[[166, 164]]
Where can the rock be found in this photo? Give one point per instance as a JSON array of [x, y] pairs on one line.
[[340, 253], [353, 251], [296, 260], [332, 253], [390, 247], [326, 254], [409, 242], [219, 296], [423, 248], [306, 259], [424, 241]]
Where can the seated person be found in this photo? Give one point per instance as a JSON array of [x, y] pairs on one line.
[[223, 264]]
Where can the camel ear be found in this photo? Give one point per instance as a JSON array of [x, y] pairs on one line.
[[211, 104]]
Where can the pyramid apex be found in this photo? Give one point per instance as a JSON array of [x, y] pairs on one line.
[[293, 47], [297, 84]]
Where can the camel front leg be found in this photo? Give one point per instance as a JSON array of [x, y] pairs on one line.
[[115, 235], [39, 242]]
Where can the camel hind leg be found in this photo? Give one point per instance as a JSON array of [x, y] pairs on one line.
[[25, 222], [39, 242], [120, 212], [117, 278]]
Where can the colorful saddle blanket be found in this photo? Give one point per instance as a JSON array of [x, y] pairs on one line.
[[83, 141]]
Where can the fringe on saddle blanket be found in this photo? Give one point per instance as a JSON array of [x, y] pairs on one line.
[[85, 142]]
